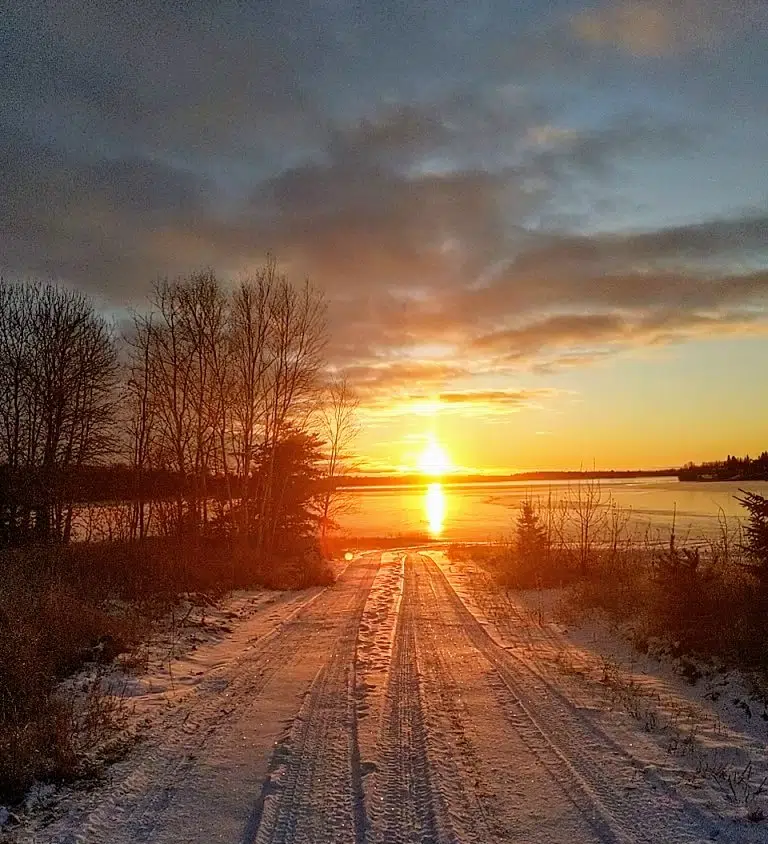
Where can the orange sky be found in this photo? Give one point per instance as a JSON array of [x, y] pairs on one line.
[[699, 401]]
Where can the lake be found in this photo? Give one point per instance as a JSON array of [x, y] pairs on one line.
[[480, 512]]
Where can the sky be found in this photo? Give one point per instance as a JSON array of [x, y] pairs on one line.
[[542, 228]]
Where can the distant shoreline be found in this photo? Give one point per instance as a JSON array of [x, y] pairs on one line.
[[366, 481], [706, 479]]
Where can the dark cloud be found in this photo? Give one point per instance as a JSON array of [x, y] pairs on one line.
[[563, 329], [98, 223], [401, 376], [520, 292], [591, 330], [410, 159], [179, 78], [714, 239]]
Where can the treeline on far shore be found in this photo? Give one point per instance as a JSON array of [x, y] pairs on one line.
[[115, 483], [455, 478], [731, 469]]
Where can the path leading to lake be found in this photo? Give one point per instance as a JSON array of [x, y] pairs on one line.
[[381, 710]]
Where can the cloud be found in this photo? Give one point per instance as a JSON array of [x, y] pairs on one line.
[[563, 302], [105, 222], [729, 238], [503, 399], [467, 402], [415, 196], [418, 167], [661, 27], [400, 232], [593, 331], [91, 222], [556, 330], [701, 266], [564, 359], [579, 294], [399, 376]]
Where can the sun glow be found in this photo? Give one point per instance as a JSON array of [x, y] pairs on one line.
[[434, 504], [434, 460]]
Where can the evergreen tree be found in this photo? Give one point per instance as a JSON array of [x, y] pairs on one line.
[[756, 532], [531, 537]]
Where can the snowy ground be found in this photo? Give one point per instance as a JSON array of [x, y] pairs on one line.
[[704, 742], [410, 703]]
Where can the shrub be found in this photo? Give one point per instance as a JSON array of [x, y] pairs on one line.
[[707, 600], [689, 600], [756, 533], [64, 606], [48, 630]]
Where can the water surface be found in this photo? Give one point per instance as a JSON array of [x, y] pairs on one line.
[[487, 511]]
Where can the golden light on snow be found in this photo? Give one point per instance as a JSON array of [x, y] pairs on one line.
[[434, 459], [434, 504]]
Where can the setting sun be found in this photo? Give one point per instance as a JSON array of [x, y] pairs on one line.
[[434, 460]]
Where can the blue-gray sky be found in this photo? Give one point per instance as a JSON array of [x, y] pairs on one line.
[[543, 213]]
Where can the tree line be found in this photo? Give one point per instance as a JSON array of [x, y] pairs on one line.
[[212, 412], [731, 469]]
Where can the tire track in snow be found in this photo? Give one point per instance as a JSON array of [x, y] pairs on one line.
[[313, 792], [132, 807], [373, 656], [589, 768], [401, 804], [469, 809]]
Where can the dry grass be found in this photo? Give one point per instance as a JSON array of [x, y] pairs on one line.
[[47, 630], [713, 611], [64, 607]]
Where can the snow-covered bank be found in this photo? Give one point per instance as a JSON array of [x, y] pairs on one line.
[[410, 701], [196, 643], [706, 742], [199, 641]]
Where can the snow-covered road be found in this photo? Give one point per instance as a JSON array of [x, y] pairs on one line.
[[381, 710]]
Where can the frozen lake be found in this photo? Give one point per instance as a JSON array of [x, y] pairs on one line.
[[486, 511]]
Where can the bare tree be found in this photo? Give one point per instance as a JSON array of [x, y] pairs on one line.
[[141, 419], [58, 363], [188, 380], [214, 385], [227, 377], [251, 361], [19, 413], [203, 311], [339, 427], [171, 362], [587, 505], [296, 343]]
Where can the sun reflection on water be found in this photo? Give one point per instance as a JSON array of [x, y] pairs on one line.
[[434, 505]]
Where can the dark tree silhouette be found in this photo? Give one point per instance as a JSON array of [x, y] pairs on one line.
[[338, 427], [58, 375], [218, 388], [756, 533], [530, 537]]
